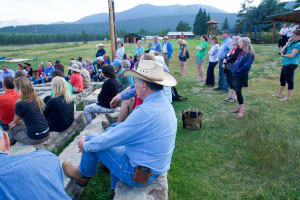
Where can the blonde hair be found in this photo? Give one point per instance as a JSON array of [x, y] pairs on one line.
[[28, 93], [247, 48], [60, 88], [181, 41]]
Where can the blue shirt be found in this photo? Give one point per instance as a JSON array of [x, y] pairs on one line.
[[36, 175], [48, 71], [100, 52], [139, 51], [225, 48], [148, 135], [5, 74], [156, 46], [289, 50]]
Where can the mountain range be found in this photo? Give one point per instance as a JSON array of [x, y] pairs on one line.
[[149, 17]]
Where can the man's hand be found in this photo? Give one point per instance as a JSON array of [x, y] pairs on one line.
[[12, 124], [80, 143], [114, 102]]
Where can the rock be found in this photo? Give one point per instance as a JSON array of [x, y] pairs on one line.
[[90, 100], [20, 148], [57, 140], [157, 191]]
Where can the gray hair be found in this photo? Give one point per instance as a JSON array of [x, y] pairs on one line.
[[236, 38], [247, 48]]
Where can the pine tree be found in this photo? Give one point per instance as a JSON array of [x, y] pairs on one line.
[[225, 25], [183, 26], [200, 24]]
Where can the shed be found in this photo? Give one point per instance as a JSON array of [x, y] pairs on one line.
[[132, 38], [292, 16], [176, 35]]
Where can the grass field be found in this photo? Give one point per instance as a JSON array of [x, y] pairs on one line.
[[257, 157]]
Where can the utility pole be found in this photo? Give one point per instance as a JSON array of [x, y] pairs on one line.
[[112, 26]]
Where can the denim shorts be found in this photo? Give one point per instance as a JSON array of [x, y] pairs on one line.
[[199, 61]]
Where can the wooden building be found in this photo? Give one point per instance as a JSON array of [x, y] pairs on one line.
[[132, 38], [292, 16]]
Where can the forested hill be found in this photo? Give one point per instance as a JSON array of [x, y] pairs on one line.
[[150, 24]]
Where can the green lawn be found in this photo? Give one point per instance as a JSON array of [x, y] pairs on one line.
[[257, 157]]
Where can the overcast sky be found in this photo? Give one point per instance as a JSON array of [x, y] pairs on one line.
[[71, 10]]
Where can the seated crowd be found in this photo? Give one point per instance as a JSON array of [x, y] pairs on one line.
[[136, 148]]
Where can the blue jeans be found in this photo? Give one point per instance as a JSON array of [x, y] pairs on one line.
[[1, 84], [42, 80], [222, 77], [116, 160]]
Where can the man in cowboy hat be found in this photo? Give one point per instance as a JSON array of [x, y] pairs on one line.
[[101, 51], [140, 149]]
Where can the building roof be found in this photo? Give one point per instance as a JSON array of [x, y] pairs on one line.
[[292, 16], [179, 33], [132, 34], [212, 22]]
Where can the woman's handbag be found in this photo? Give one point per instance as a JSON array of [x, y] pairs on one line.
[[192, 119]]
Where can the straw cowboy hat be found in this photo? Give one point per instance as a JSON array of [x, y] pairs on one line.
[[100, 45], [181, 41], [152, 71], [75, 68]]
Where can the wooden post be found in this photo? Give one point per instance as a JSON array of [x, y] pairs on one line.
[[274, 31], [112, 28]]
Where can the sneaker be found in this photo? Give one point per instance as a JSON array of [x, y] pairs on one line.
[[277, 96], [111, 119], [72, 172]]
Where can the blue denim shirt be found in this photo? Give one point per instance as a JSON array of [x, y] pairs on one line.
[[156, 46], [36, 175], [242, 65], [225, 48], [148, 135]]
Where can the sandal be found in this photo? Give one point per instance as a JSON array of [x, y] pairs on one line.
[[277, 96], [284, 99]]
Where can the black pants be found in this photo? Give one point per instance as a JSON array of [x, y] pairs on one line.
[[229, 79], [210, 76], [287, 76], [240, 82]]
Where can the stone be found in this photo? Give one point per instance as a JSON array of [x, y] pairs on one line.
[[90, 100], [57, 140], [20, 148], [156, 191]]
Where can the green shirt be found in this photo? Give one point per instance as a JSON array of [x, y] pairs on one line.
[[70, 89], [289, 49], [201, 53]]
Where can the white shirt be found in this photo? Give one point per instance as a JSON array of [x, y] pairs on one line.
[[284, 31], [213, 53], [120, 52], [291, 30], [164, 49]]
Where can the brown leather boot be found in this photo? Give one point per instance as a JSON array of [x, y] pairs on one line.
[[72, 172]]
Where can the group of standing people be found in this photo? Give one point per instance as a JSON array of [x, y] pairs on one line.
[[286, 32]]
